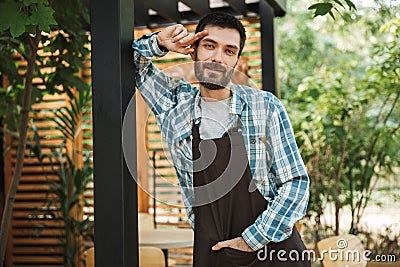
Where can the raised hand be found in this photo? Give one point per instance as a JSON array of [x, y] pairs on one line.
[[176, 38]]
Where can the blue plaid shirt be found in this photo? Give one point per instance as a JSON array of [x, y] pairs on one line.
[[275, 162]]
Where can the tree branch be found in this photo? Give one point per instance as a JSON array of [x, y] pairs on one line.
[[8, 207], [16, 47]]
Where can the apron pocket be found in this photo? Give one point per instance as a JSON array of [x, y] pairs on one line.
[[240, 258]]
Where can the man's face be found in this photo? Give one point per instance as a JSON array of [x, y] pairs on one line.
[[216, 57]]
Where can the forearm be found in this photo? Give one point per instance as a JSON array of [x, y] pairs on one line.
[[277, 221], [145, 49], [158, 89]]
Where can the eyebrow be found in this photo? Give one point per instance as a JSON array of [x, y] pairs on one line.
[[205, 39]]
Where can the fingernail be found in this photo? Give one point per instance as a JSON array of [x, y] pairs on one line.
[[213, 248]]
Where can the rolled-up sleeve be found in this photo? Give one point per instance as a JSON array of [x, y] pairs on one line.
[[158, 89], [291, 180]]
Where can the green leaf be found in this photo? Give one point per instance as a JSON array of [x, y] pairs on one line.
[[37, 95], [7, 10], [8, 66], [321, 9], [339, 3], [43, 17], [340, 132], [350, 4], [30, 29], [314, 93], [331, 14], [12, 18], [29, 2], [37, 149]]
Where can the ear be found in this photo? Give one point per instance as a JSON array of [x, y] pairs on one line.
[[237, 61], [193, 54]]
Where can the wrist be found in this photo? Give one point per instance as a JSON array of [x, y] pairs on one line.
[[160, 43]]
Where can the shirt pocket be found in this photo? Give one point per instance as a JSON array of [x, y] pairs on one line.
[[262, 156], [183, 156]]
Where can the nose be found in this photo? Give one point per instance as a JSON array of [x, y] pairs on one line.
[[217, 56]]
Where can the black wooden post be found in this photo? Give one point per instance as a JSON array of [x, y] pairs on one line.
[[267, 46], [115, 192]]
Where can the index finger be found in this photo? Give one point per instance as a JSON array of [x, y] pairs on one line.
[[221, 244], [200, 35], [193, 39]]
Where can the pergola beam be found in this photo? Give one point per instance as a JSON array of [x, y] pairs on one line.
[[238, 5], [279, 7], [141, 14], [165, 8], [268, 67], [201, 8]]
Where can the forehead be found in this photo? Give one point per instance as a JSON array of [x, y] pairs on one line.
[[223, 36]]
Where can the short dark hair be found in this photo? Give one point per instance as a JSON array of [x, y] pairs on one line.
[[223, 20]]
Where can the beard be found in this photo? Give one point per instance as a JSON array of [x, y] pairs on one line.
[[211, 75]]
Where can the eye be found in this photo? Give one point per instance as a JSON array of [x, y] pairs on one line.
[[231, 52], [209, 46]]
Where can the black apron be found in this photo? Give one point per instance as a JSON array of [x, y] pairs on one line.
[[223, 212]]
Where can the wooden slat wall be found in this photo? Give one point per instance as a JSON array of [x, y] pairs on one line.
[[28, 248], [34, 235], [87, 147]]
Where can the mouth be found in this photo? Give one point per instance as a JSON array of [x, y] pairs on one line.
[[212, 69]]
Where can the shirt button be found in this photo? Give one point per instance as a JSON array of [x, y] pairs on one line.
[[253, 141]]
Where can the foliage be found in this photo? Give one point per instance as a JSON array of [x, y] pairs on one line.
[[61, 30], [343, 103], [69, 190], [47, 36], [386, 243], [328, 7]]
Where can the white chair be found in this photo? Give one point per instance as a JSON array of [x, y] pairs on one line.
[[151, 257], [146, 222], [148, 257]]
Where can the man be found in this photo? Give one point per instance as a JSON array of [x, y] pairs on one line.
[[243, 181]]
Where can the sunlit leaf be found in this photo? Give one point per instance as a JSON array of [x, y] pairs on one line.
[[339, 3], [331, 14], [350, 4], [321, 9]]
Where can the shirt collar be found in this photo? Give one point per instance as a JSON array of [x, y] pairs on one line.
[[236, 107]]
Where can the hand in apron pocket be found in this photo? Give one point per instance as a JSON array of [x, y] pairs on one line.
[[240, 258]]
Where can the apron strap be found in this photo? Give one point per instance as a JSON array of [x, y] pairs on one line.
[[195, 131], [237, 128]]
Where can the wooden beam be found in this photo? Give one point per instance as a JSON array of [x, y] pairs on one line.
[[238, 5], [8, 171], [201, 8], [166, 8], [142, 112], [115, 191], [142, 17], [279, 7]]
